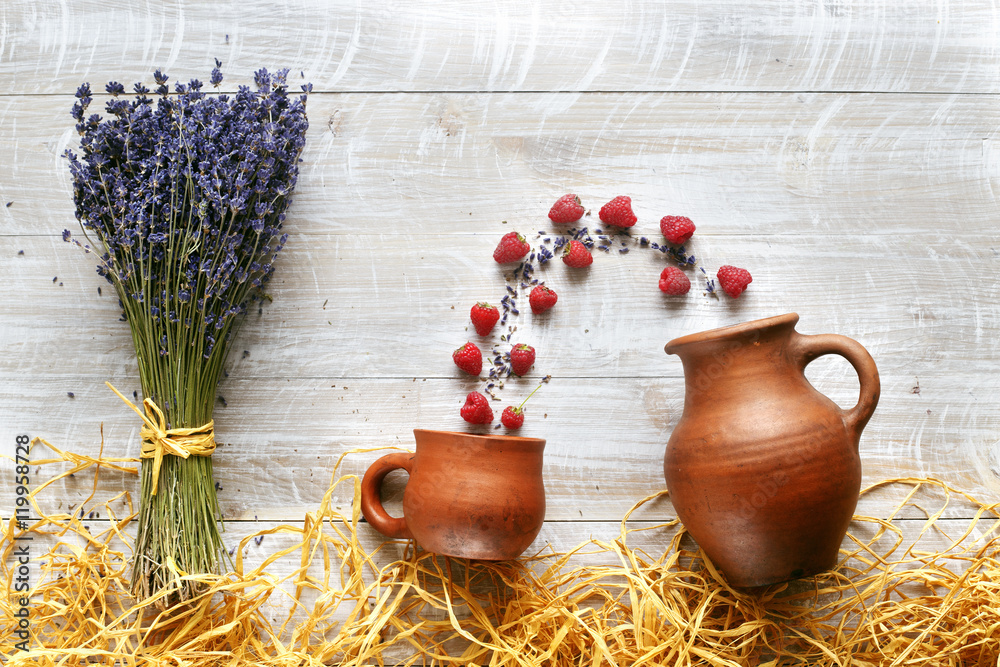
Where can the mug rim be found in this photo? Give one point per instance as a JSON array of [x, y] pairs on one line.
[[484, 436]]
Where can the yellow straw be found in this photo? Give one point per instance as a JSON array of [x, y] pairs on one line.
[[891, 601], [158, 440]]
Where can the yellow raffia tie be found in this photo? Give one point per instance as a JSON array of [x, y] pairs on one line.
[[158, 440]]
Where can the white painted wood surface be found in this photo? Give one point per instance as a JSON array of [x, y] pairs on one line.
[[846, 153]]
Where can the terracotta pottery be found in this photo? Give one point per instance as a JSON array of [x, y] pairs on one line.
[[471, 496], [762, 469]]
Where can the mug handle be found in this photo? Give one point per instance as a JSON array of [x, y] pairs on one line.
[[808, 348], [371, 495]]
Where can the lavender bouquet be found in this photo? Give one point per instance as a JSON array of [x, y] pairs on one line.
[[184, 197]]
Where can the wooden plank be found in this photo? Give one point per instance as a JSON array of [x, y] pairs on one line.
[[865, 166], [51, 47], [605, 438], [846, 153], [650, 538], [397, 305], [653, 537], [916, 304]]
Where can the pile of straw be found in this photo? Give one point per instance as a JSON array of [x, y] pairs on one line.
[[604, 603]]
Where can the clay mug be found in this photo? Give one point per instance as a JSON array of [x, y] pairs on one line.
[[470, 496], [763, 469]]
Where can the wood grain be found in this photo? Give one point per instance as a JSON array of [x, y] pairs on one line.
[[844, 151], [374, 298], [920, 167], [341, 309], [584, 45], [605, 437], [652, 538]]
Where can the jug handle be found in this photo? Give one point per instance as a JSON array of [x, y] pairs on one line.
[[371, 495], [807, 348]]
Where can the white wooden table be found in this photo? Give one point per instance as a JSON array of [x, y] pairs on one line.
[[845, 152]]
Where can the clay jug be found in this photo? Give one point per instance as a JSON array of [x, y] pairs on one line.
[[471, 496], [763, 469]]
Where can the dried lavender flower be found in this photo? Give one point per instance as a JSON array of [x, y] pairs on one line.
[[185, 196]]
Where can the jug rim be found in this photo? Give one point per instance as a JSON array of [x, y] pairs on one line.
[[731, 331], [483, 436]]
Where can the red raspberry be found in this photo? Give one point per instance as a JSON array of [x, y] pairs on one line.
[[618, 212], [566, 209], [512, 417], [577, 255], [484, 316], [676, 228], [469, 359], [733, 280], [674, 282], [511, 248], [541, 299], [521, 358], [477, 409]]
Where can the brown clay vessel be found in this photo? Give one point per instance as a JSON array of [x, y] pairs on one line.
[[470, 496], [763, 469]]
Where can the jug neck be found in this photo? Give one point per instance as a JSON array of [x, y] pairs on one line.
[[733, 353]]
